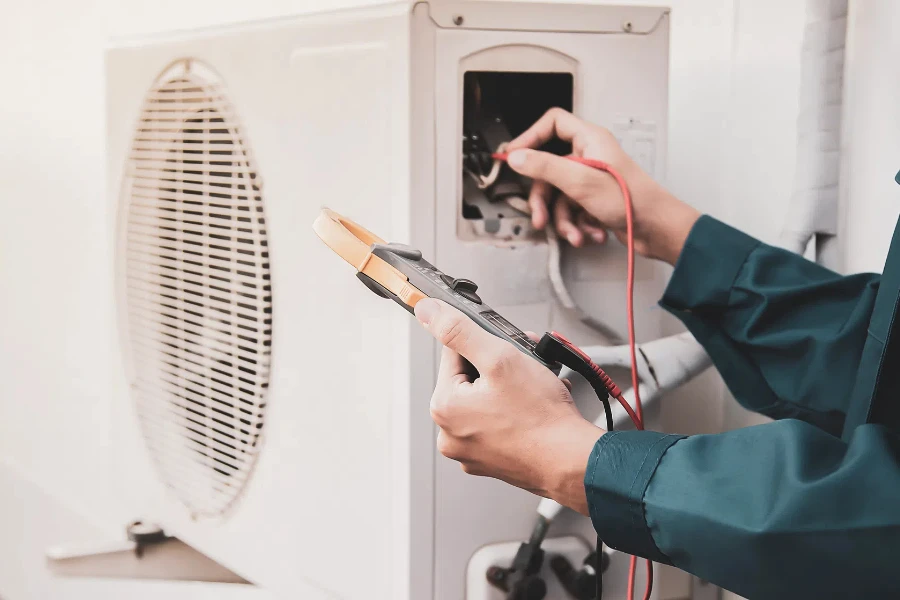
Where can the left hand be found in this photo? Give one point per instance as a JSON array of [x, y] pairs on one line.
[[516, 422]]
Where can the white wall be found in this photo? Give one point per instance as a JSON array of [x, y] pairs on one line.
[[759, 146], [734, 72], [871, 134]]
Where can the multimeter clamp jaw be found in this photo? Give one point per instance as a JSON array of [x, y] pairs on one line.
[[381, 290], [381, 251]]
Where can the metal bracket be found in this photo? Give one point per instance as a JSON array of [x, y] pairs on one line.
[[147, 553]]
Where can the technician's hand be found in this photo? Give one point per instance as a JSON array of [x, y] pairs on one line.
[[516, 422], [662, 222]]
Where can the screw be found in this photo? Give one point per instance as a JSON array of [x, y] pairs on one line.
[[497, 575], [458, 20], [627, 26]]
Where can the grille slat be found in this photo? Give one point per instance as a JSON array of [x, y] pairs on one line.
[[201, 357], [145, 166], [141, 252], [164, 135], [212, 251], [220, 235], [193, 306], [191, 326], [189, 181], [182, 406], [194, 431], [189, 410], [197, 286], [235, 219]]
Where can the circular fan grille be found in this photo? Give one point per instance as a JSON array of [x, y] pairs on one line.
[[197, 288]]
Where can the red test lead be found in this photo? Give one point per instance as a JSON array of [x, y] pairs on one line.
[[637, 416]]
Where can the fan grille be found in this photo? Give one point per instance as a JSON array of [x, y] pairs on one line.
[[198, 289]]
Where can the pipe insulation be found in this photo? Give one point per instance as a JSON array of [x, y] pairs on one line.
[[813, 209]]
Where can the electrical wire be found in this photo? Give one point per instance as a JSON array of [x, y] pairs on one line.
[[486, 181], [554, 273], [637, 415], [558, 283]]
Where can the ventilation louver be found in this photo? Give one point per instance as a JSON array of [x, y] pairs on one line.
[[197, 288]]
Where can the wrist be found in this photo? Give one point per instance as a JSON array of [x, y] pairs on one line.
[[571, 446], [665, 229]]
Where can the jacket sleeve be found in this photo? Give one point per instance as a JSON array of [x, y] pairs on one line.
[[777, 326], [781, 510]]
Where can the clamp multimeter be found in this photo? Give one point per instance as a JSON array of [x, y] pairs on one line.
[[400, 273]]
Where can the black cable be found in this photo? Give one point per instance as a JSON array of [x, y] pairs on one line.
[[603, 394], [599, 568], [555, 348]]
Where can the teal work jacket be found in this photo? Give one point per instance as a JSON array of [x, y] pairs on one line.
[[807, 506]]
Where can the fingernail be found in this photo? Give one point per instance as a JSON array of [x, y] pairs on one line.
[[517, 158], [598, 237], [426, 309]]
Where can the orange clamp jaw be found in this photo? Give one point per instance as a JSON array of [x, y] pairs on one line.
[[353, 243]]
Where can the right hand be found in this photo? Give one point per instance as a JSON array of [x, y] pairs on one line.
[[516, 422], [661, 221]]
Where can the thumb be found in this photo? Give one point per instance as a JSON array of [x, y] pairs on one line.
[[458, 332], [575, 180]]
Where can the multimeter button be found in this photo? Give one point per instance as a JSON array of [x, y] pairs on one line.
[[404, 251], [460, 285], [469, 295], [464, 287]]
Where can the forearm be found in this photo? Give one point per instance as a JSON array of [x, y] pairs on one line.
[[781, 510], [756, 308]]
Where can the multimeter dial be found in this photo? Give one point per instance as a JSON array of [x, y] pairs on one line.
[[463, 287]]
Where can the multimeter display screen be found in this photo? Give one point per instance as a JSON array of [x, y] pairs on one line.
[[509, 329]]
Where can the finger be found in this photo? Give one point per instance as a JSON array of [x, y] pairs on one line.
[[534, 337], [539, 200], [556, 123], [453, 369], [588, 225], [574, 179], [567, 383], [562, 214], [458, 332]]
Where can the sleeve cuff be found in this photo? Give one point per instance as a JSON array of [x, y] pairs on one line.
[[711, 260], [619, 470]]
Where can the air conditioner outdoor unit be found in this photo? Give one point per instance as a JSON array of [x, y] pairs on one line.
[[273, 412]]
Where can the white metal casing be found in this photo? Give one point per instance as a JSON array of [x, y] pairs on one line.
[[360, 111]]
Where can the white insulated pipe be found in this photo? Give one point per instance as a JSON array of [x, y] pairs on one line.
[[813, 209]]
